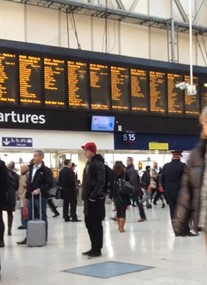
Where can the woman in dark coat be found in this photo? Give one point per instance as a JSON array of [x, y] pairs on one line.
[[121, 201]]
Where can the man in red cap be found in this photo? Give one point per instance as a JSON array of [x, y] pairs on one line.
[[171, 179], [93, 195]]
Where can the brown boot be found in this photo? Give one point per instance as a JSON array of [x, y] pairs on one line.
[[122, 224]]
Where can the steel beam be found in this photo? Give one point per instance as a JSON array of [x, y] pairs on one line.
[[133, 6], [181, 10], [120, 5]]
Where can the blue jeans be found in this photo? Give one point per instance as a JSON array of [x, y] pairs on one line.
[[36, 210]]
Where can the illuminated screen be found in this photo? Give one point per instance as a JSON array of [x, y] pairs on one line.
[[103, 123]]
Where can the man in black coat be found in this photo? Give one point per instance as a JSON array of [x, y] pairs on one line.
[[3, 199], [93, 195], [135, 181], [40, 180], [68, 183], [171, 180]]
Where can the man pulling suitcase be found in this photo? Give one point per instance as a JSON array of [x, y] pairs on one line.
[[39, 181]]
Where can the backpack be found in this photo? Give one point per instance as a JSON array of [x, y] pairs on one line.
[[13, 181], [108, 178]]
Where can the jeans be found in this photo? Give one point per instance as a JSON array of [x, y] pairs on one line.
[[146, 198], [37, 211], [1, 226], [140, 206]]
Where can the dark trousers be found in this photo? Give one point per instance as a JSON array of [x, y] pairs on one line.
[[69, 199], [36, 210], [158, 196], [1, 226], [140, 206], [121, 211], [93, 222], [172, 204]]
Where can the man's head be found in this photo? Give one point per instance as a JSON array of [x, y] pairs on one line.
[[68, 163], [147, 168], [177, 154], [89, 149], [129, 161], [38, 157]]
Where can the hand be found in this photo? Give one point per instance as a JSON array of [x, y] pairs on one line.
[[36, 192], [92, 200]]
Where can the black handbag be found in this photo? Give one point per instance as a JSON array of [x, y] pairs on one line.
[[125, 187]]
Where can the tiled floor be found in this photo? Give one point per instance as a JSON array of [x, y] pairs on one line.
[[176, 260]]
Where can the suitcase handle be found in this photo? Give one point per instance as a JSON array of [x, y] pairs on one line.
[[40, 206]]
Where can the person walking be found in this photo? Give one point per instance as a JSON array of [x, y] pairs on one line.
[[68, 183], [171, 179], [135, 181], [3, 197], [39, 181], [93, 195], [121, 201], [145, 183], [13, 184]]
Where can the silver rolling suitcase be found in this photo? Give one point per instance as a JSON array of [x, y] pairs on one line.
[[36, 230]]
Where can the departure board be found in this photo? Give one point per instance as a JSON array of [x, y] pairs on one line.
[[78, 96], [192, 105], [99, 87], [54, 82], [120, 88], [139, 90], [203, 92], [158, 92], [8, 79], [175, 95], [30, 79]]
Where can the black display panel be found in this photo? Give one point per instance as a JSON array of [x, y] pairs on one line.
[[192, 104], [139, 90], [120, 88], [8, 79], [158, 92], [30, 80], [175, 95], [54, 82], [78, 89], [99, 87]]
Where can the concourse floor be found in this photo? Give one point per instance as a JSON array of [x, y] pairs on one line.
[[172, 260]]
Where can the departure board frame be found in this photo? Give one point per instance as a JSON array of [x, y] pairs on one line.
[[107, 60]]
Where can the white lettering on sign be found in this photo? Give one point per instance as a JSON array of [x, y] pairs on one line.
[[16, 118]]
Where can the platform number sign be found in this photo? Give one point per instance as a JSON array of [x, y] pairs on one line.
[[129, 137]]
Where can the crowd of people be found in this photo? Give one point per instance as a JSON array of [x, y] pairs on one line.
[[183, 187]]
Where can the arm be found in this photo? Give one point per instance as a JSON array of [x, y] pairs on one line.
[[100, 180], [47, 183]]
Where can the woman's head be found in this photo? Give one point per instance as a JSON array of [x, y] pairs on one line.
[[118, 169], [203, 122]]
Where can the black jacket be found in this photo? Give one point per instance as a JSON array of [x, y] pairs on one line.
[[134, 179], [3, 184], [188, 203], [67, 179], [171, 177], [94, 179], [43, 180], [120, 200], [146, 178]]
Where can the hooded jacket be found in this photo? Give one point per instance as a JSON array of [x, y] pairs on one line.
[[94, 179], [188, 203]]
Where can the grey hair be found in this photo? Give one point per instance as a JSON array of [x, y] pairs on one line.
[[40, 152]]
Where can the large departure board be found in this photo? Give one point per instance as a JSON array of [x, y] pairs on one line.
[[30, 79], [8, 79], [99, 87], [120, 88], [139, 90], [203, 92], [192, 105], [158, 92], [78, 95], [175, 95], [54, 82]]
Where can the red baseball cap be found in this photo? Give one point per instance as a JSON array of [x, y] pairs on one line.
[[90, 146]]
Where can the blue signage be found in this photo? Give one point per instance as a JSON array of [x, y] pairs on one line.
[[17, 142]]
